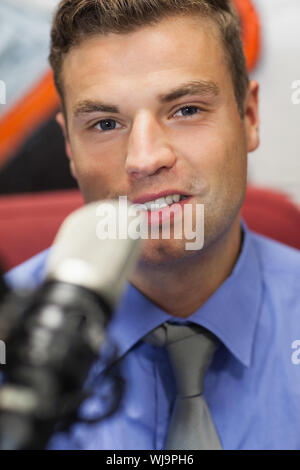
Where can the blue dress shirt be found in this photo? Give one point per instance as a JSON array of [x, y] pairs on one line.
[[253, 384]]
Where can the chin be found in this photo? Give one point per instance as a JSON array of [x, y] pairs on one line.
[[164, 253]]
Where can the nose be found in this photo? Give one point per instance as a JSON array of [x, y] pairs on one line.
[[148, 150]]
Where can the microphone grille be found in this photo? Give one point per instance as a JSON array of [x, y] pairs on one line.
[[96, 249]]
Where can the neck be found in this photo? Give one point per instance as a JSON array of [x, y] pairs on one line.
[[183, 288]]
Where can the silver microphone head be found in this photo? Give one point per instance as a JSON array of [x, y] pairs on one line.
[[97, 248]]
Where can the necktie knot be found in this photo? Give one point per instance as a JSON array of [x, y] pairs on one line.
[[190, 349]]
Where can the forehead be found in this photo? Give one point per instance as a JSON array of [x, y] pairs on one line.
[[151, 59]]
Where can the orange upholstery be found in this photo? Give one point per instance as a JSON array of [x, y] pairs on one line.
[[28, 113], [28, 223]]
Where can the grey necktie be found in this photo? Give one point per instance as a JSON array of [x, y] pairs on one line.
[[190, 350]]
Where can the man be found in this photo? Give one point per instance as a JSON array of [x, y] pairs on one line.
[[157, 102]]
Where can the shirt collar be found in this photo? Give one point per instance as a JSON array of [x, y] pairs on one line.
[[231, 313]]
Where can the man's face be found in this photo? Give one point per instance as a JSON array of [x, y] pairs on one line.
[[154, 112]]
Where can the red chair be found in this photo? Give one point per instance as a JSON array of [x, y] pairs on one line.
[[271, 213], [28, 223]]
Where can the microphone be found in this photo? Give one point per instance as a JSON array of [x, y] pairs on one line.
[[58, 337]]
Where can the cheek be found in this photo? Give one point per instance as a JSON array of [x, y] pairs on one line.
[[220, 158], [230, 180], [99, 172], [224, 149], [205, 152]]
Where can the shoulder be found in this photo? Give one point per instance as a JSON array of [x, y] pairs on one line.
[[278, 329], [30, 274], [277, 259], [280, 276]]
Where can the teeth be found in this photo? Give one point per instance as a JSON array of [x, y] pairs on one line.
[[163, 202], [148, 205]]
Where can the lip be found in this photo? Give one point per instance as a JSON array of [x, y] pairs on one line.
[[154, 196], [167, 214]]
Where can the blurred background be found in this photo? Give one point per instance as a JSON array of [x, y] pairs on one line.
[[32, 156]]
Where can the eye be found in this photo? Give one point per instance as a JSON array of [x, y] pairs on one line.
[[107, 125], [187, 111]]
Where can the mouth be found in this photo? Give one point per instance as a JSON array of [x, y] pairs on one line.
[[161, 202], [164, 209]]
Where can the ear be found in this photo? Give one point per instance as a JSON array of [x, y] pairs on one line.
[[251, 116], [62, 123]]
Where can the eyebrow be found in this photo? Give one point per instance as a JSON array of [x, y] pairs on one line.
[[204, 88], [88, 107], [199, 87]]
